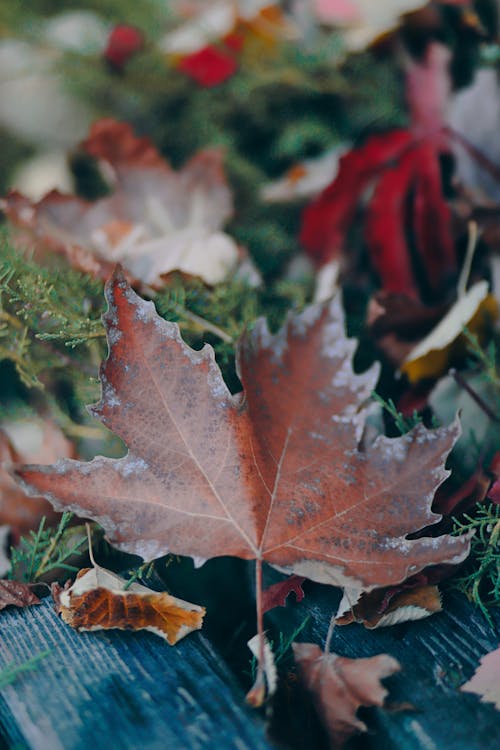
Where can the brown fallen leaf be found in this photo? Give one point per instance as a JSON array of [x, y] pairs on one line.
[[485, 680], [101, 600], [340, 686], [275, 476], [383, 607], [15, 594], [155, 221], [27, 440]]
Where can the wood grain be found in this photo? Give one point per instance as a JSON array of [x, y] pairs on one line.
[[437, 656], [118, 690]]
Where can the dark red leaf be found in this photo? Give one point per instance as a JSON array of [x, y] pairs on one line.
[[385, 229], [432, 220], [326, 220], [277, 594]]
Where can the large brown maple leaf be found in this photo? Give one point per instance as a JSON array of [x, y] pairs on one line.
[[274, 474]]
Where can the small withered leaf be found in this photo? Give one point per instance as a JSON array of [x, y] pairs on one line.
[[277, 594], [16, 594], [385, 607], [99, 600], [278, 477], [340, 686]]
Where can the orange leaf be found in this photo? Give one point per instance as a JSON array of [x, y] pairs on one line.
[[98, 600]]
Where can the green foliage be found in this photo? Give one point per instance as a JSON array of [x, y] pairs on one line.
[[47, 552], [49, 318], [480, 581], [282, 650], [221, 314], [11, 672], [402, 424], [51, 329]]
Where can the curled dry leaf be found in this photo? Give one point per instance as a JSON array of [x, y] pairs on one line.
[[485, 682], [276, 476], [15, 594], [258, 694], [155, 221], [101, 600], [340, 686], [27, 440], [384, 607]]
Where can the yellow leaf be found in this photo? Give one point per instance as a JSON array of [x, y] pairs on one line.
[[432, 356]]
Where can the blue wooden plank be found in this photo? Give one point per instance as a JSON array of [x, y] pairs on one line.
[[113, 689], [437, 656]]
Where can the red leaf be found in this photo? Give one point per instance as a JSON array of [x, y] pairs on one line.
[[385, 227], [326, 220], [277, 594], [209, 66], [123, 43], [432, 221]]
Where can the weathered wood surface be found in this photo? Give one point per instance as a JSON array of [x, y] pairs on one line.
[[118, 690], [131, 691], [437, 656]]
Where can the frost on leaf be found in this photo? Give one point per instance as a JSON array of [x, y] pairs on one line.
[[101, 600], [340, 686], [275, 475], [155, 221]]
